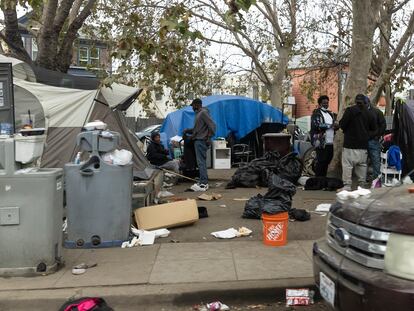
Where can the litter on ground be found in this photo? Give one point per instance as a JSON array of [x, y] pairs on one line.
[[232, 233]]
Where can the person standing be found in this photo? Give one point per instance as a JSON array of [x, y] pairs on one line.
[[323, 126], [204, 128], [358, 125], [374, 146]]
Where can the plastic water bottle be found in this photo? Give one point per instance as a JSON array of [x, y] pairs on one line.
[[77, 159]]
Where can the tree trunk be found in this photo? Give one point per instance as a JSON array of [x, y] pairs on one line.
[[276, 87], [12, 35], [388, 100], [47, 38], [364, 23]]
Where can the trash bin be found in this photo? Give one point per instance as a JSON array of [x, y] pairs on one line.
[[279, 142], [31, 211], [98, 196]]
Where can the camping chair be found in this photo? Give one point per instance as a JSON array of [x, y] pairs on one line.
[[241, 154]]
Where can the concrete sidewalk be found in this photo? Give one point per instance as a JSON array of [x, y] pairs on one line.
[[165, 269]]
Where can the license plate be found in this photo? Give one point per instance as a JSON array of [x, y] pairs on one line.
[[327, 288]]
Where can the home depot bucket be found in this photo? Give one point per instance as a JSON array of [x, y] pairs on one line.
[[275, 229]]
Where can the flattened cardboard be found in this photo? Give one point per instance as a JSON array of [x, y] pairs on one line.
[[167, 215]]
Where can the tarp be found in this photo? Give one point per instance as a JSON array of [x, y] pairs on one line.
[[232, 114]]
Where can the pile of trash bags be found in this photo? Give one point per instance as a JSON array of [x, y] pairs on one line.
[[258, 171], [277, 199]]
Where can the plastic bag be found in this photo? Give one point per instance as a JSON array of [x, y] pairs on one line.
[[118, 157], [253, 207], [279, 187]]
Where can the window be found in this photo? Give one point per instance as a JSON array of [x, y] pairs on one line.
[[94, 57], [34, 49], [83, 56]]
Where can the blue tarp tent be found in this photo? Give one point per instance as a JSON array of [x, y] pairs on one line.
[[236, 114]]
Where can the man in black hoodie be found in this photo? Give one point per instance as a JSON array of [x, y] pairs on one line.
[[159, 156], [358, 125]]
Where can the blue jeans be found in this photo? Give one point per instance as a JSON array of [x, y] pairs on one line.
[[201, 155], [374, 154]]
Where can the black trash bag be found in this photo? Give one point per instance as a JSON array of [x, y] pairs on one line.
[[290, 167], [299, 214], [253, 207], [323, 183], [279, 187], [255, 173], [276, 206]]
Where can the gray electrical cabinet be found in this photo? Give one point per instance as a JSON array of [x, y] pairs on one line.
[[31, 211], [98, 195]]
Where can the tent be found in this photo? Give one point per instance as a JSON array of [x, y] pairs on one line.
[[63, 111], [232, 114]]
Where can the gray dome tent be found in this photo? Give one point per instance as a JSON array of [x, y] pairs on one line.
[[63, 111]]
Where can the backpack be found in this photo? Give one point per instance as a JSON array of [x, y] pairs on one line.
[[86, 304]]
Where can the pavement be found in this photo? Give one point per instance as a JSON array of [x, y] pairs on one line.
[[199, 268]]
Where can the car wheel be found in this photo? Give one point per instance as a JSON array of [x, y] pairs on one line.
[[309, 160]]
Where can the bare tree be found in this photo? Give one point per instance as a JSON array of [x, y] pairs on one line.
[[266, 35]]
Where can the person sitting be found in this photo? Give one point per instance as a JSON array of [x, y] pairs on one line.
[[159, 156]]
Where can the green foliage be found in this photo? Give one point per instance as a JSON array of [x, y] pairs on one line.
[[156, 49]]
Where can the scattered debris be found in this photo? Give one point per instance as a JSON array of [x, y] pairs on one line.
[[324, 207], [407, 180], [174, 241], [81, 268], [344, 194], [218, 184], [232, 233], [217, 306], [299, 297], [143, 237], [223, 205], [302, 180], [210, 197], [202, 212], [241, 199]]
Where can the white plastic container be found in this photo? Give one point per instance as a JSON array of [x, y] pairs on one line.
[[219, 144], [29, 148]]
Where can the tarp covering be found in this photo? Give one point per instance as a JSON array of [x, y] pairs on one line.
[[236, 114], [21, 70]]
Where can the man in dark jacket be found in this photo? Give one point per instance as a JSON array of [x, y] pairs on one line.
[[358, 126], [159, 156], [204, 129], [323, 126], [374, 146]]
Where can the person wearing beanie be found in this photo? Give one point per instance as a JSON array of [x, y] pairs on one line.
[[358, 126], [323, 127], [374, 146], [159, 156], [204, 128]]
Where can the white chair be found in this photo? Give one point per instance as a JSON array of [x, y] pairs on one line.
[[388, 173]]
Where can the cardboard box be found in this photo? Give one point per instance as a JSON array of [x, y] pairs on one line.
[[167, 215]]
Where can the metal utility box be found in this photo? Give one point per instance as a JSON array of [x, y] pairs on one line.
[[98, 196], [31, 211]]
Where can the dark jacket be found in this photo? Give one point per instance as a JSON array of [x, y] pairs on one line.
[[358, 126], [318, 127], [157, 154], [380, 123]]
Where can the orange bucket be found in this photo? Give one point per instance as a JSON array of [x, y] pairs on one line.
[[275, 229]]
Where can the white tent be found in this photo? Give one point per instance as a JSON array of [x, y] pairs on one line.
[[64, 111]]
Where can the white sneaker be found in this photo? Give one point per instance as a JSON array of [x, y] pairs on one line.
[[199, 187]]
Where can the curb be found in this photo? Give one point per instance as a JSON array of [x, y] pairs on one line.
[[182, 294]]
